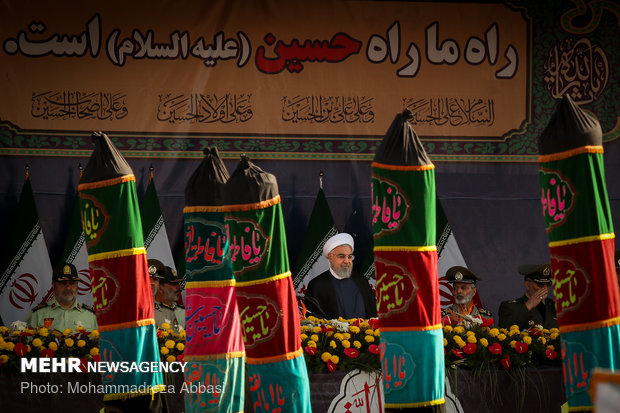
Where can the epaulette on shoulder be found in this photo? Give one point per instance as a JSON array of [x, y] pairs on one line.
[[485, 312], [444, 311], [89, 308], [181, 306], [39, 307]]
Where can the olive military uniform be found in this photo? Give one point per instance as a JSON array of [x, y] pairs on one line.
[[175, 314], [515, 312], [53, 316]]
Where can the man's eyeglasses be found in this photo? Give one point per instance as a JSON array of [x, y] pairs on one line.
[[343, 256]]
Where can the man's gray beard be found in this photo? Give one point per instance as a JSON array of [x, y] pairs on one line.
[[465, 299], [343, 272]]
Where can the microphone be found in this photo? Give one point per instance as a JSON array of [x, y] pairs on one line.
[[316, 307]]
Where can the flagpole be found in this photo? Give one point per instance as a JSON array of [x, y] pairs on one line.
[[321, 174]]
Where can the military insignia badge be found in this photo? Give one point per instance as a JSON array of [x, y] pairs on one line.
[[458, 276], [547, 271], [152, 270], [66, 270]]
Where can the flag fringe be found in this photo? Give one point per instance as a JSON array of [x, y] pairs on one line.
[[210, 357], [107, 182], [274, 359], [117, 254], [129, 324], [119, 396], [570, 153], [264, 280], [590, 326], [420, 404], [581, 240]]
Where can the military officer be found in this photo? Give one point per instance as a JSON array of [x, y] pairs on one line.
[[534, 308], [463, 311], [167, 309], [157, 271], [63, 311]]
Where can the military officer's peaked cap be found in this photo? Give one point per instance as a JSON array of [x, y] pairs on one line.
[[156, 268], [171, 276], [458, 274], [65, 272], [540, 273]]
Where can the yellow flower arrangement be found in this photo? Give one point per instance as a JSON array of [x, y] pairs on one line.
[[171, 342], [484, 347], [29, 342], [341, 345]]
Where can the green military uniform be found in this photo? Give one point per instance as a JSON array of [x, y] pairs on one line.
[[53, 316], [175, 314], [514, 312]]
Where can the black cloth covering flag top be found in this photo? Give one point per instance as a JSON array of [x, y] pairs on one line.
[[214, 349], [578, 222], [120, 282], [277, 374], [404, 232]]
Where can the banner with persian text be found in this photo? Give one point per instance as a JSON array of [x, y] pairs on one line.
[[288, 81]]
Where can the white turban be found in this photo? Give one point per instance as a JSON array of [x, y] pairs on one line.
[[336, 241]]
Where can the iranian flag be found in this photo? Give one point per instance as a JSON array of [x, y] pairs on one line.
[[311, 261], [26, 269], [155, 236], [75, 252], [154, 230], [449, 255]]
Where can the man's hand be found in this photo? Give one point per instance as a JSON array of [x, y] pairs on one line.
[[537, 297]]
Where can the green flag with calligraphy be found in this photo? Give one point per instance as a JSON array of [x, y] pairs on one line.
[[578, 221]]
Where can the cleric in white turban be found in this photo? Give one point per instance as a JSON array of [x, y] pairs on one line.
[[339, 292]]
